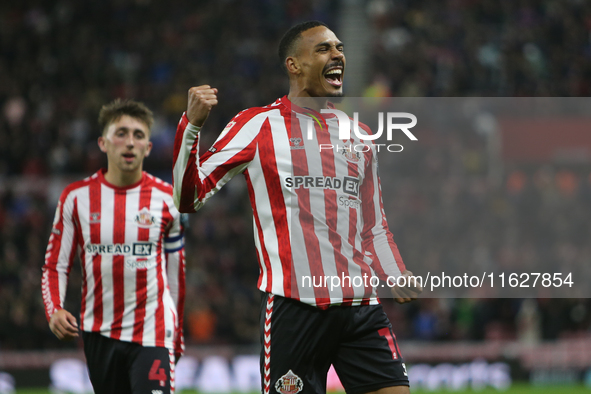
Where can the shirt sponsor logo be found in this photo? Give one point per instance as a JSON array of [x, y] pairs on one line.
[[135, 249], [140, 264], [144, 218], [351, 186], [142, 248], [348, 184], [348, 202], [296, 143], [95, 217], [290, 383]]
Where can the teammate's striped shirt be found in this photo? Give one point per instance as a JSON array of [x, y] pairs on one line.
[[318, 213], [130, 244]]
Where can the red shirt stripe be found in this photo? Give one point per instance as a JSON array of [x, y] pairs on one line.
[[95, 237]]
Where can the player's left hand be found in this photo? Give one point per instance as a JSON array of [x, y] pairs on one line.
[[409, 292]]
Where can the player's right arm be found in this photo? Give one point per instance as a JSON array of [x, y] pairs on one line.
[[198, 177], [61, 250]]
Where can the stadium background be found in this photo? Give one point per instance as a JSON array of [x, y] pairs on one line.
[[61, 60]]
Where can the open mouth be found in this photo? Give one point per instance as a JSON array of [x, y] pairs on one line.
[[334, 77], [129, 156]]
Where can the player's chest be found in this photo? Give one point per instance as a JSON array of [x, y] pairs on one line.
[[319, 160], [119, 216]]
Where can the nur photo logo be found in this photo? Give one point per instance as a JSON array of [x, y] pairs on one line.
[[388, 121]]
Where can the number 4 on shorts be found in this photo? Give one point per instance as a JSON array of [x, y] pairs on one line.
[[157, 373]]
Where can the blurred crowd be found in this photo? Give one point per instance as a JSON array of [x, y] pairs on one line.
[[481, 48], [61, 60]]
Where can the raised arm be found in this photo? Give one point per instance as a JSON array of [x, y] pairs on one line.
[[198, 177], [186, 179]]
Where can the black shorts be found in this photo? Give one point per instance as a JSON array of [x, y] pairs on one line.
[[300, 342], [117, 367]]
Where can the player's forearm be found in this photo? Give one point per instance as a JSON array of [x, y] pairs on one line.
[[176, 276], [179, 345], [185, 173], [378, 240], [387, 259], [376, 236], [175, 262], [50, 289], [180, 339], [180, 305]]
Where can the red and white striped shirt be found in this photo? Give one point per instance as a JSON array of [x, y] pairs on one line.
[[130, 243], [318, 215]]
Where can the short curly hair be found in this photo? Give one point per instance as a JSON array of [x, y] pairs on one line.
[[113, 111], [287, 43]]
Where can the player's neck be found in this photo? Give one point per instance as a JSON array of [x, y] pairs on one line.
[[121, 178], [304, 100]]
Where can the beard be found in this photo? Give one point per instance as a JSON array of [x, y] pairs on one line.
[[336, 94], [337, 97]]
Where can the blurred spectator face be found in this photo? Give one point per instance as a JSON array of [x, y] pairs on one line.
[[322, 62], [126, 143]]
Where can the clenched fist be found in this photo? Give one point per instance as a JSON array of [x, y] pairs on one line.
[[201, 101]]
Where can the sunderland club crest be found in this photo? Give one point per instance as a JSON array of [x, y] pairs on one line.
[[144, 218], [290, 383], [351, 154]]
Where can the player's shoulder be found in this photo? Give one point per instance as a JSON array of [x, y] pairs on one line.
[[363, 128], [73, 187], [157, 183], [242, 120], [251, 112]]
